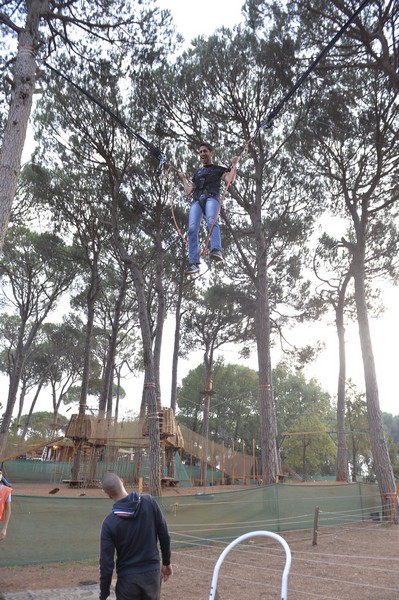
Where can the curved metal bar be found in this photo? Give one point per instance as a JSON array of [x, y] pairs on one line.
[[245, 536]]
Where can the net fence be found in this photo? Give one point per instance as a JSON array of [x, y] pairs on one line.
[[56, 529]]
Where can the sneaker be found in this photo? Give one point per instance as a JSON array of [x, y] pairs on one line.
[[216, 255], [192, 269]]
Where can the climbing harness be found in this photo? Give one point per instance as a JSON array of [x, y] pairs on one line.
[[172, 206], [275, 536], [222, 198]]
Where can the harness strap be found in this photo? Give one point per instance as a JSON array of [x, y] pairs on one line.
[[205, 248]]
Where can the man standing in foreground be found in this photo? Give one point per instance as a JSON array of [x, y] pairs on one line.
[[133, 530]]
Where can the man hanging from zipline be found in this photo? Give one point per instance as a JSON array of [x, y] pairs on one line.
[[205, 189]]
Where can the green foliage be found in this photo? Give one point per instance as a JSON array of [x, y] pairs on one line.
[[233, 409], [72, 396], [305, 410], [42, 426], [359, 450], [38, 267], [296, 398], [234, 413], [391, 428]]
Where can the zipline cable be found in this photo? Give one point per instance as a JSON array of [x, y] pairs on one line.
[[274, 112], [158, 154], [267, 123], [154, 150]]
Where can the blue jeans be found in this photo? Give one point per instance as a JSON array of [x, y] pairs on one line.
[[194, 221]]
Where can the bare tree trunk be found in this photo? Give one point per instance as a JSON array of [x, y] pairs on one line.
[[118, 392], [382, 463], [23, 87], [354, 465], [110, 396], [22, 394], [176, 345], [15, 378], [150, 394], [342, 451], [268, 421], [111, 350], [205, 423], [150, 385], [270, 459], [32, 406], [91, 300], [161, 310]]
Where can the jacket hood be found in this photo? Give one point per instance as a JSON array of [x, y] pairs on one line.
[[127, 507]]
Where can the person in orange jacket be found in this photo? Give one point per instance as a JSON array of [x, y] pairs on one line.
[[5, 506]]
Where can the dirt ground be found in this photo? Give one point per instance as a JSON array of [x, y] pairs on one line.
[[351, 562]]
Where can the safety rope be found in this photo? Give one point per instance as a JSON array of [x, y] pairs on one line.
[[172, 207], [267, 123], [154, 150], [277, 108]]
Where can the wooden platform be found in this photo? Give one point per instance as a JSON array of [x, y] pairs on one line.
[[78, 483], [169, 482]]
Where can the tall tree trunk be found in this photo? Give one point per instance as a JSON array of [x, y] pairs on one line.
[[111, 350], [161, 310], [22, 394], [118, 392], [342, 451], [150, 390], [208, 359], [15, 377], [176, 344], [32, 407], [91, 301], [382, 463], [268, 421], [23, 87]]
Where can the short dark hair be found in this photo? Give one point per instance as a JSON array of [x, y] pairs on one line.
[[207, 145]]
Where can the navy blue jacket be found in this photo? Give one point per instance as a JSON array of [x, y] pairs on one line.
[[132, 531]]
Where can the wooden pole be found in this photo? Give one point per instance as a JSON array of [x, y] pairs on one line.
[[315, 525], [243, 462], [253, 460], [222, 465], [191, 462], [232, 466], [213, 461]]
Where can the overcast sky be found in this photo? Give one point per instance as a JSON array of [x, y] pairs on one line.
[[202, 18]]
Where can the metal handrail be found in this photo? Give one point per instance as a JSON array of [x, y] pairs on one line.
[[245, 536]]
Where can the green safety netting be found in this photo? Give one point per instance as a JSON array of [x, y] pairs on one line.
[[54, 529]]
